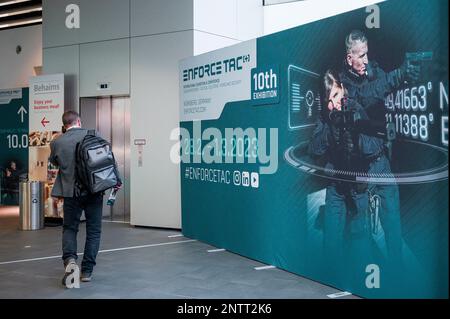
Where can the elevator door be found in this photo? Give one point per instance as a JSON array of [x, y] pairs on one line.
[[112, 121]]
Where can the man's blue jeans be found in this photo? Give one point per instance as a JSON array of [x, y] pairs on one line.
[[73, 208]]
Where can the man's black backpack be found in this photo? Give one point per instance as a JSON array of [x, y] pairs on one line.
[[96, 169]]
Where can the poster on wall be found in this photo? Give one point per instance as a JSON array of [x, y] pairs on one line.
[[46, 110], [323, 149], [13, 143]]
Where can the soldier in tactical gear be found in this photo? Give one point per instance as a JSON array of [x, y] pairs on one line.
[[343, 149], [368, 84], [365, 81]]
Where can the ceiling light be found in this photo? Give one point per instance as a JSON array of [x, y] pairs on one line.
[[7, 3], [18, 23], [20, 11]]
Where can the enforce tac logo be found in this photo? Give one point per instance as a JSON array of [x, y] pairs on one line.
[[216, 68]]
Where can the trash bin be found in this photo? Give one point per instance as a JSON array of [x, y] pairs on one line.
[[31, 203]]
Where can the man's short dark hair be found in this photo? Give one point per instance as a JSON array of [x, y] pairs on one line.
[[353, 37], [70, 118]]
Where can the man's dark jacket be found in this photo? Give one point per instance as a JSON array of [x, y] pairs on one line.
[[63, 155]]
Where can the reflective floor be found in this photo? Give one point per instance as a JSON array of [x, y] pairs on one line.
[[137, 262]]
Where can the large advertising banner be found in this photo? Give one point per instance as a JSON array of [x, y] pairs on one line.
[[13, 143], [323, 149]]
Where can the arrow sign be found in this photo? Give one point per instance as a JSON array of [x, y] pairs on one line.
[[44, 121], [21, 111]]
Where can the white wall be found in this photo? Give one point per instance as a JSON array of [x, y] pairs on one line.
[[221, 23], [99, 20], [96, 61], [288, 15], [15, 69], [205, 42], [155, 186], [65, 60], [161, 35], [149, 17]]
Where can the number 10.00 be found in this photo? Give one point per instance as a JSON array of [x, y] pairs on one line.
[[16, 141]]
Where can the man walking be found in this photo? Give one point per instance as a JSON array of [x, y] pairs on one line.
[[76, 199]]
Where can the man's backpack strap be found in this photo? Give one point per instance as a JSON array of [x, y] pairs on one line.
[[91, 132], [77, 185]]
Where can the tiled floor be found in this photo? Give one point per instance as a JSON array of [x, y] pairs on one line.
[[178, 268]]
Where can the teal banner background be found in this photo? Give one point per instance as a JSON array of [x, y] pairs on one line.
[[280, 223]]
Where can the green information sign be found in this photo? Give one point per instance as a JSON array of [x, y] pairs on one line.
[[13, 142]]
